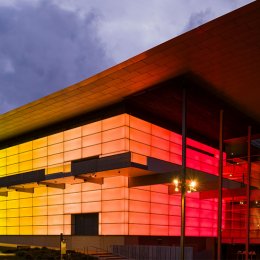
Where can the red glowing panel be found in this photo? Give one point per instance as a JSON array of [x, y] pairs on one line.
[[160, 132], [159, 219], [159, 208], [175, 220], [160, 143], [160, 154], [114, 229], [174, 231], [139, 206]]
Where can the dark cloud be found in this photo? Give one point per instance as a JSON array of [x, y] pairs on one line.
[[43, 49]]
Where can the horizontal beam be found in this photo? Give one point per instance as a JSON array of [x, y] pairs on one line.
[[91, 179], [20, 189], [4, 193], [53, 185]]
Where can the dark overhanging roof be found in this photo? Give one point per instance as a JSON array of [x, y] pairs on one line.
[[224, 53]]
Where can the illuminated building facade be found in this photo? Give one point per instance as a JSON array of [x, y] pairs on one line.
[[99, 159]]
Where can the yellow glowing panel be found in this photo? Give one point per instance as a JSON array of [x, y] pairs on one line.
[[72, 208], [139, 229], [40, 220], [139, 218], [12, 213], [91, 128], [12, 159], [2, 230], [40, 211], [26, 156], [26, 202], [26, 230], [91, 151], [89, 207], [41, 142], [25, 147], [25, 166], [72, 144], [54, 169], [12, 222], [89, 196], [55, 209], [2, 153], [72, 155], [72, 133], [39, 201], [40, 191], [55, 148], [55, 199], [12, 150], [12, 231], [114, 229], [156, 230], [2, 162], [139, 206], [25, 221], [113, 146], [55, 138], [55, 230], [2, 171], [11, 169], [72, 198], [3, 204], [13, 204], [41, 152], [40, 230], [55, 159], [25, 212], [55, 220], [113, 217], [40, 163], [116, 193], [137, 147], [67, 167], [2, 213], [113, 122], [138, 158], [13, 195]]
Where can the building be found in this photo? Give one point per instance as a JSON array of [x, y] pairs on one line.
[[97, 161]]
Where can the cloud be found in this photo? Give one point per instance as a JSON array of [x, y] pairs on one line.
[[43, 49], [47, 45]]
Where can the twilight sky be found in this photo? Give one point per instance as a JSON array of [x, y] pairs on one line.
[[47, 45]]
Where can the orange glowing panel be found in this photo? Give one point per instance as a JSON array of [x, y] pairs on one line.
[[156, 230], [113, 205], [139, 218], [72, 134], [114, 229], [39, 143], [72, 198], [89, 207], [140, 124], [40, 230], [139, 158], [91, 151], [111, 194], [72, 208], [56, 209], [54, 230], [55, 138], [91, 128], [139, 194], [139, 206], [140, 136], [114, 122], [113, 217], [113, 146], [72, 155], [139, 229], [159, 219], [137, 147], [72, 144]]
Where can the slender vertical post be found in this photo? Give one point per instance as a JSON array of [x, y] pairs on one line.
[[183, 179], [248, 191], [220, 170]]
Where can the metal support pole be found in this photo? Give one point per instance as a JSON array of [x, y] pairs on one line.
[[183, 179], [220, 170], [248, 191]]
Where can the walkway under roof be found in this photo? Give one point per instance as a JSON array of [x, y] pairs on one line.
[[220, 58]]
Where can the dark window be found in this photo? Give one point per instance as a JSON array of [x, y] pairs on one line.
[[85, 224]]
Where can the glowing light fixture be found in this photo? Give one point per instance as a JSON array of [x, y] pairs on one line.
[[189, 186]]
